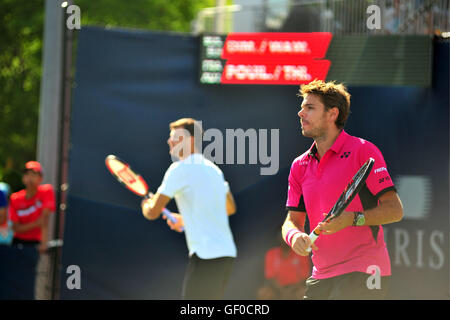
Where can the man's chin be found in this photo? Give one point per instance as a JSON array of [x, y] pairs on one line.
[[306, 133], [174, 157], [31, 186]]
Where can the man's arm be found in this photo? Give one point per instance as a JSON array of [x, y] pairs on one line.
[[294, 220], [294, 227], [24, 227], [2, 215], [152, 208], [389, 210], [177, 226], [231, 205], [44, 230]]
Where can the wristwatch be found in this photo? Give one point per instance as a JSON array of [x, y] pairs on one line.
[[359, 219]]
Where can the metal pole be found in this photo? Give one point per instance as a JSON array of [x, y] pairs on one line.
[[50, 116], [64, 155], [51, 90]]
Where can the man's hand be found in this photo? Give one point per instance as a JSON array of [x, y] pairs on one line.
[[3, 216], [265, 293], [152, 208], [178, 227], [42, 247], [301, 242], [41, 221], [337, 224], [146, 201]]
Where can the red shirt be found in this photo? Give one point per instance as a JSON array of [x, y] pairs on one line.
[[314, 187], [286, 270], [22, 210]]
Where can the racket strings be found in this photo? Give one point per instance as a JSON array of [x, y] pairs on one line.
[[127, 176]]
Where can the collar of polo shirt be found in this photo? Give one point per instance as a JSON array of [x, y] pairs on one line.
[[336, 147]]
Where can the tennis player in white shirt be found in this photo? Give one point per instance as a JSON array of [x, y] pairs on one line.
[[204, 200]]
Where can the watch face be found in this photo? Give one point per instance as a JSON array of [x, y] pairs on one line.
[[361, 220]]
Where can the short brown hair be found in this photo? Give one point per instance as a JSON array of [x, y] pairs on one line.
[[332, 95], [189, 124], [192, 126]]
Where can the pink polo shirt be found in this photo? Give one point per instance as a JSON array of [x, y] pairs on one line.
[[314, 187]]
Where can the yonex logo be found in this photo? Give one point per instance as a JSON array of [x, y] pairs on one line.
[[345, 155]]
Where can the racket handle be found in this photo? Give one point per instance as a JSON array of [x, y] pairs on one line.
[[169, 215], [313, 237], [165, 212]]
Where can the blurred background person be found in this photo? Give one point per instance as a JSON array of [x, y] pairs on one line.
[[29, 211], [285, 274], [6, 232], [6, 235]]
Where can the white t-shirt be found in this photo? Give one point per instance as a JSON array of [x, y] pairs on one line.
[[200, 190]]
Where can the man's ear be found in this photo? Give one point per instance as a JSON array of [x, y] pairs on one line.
[[334, 113], [193, 144]]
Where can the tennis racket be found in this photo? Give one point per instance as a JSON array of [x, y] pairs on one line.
[[346, 197], [131, 180]]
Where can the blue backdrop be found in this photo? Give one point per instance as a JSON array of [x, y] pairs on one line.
[[130, 85]]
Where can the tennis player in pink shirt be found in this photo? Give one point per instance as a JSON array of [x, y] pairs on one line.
[[351, 250]]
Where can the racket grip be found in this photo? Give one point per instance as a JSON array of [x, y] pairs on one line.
[[169, 216], [313, 236], [165, 212]]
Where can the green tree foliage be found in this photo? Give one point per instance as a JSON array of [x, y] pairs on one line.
[[21, 28], [173, 15], [21, 41]]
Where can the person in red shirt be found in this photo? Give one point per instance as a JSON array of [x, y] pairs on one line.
[[29, 211], [31, 207], [285, 274]]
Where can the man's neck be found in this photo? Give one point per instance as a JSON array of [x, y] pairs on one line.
[[30, 192], [189, 154], [326, 141]]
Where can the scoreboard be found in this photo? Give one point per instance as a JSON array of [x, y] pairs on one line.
[[297, 58], [264, 58]]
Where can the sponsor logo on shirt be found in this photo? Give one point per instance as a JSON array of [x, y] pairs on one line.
[[384, 179], [29, 210], [345, 155], [380, 170]]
